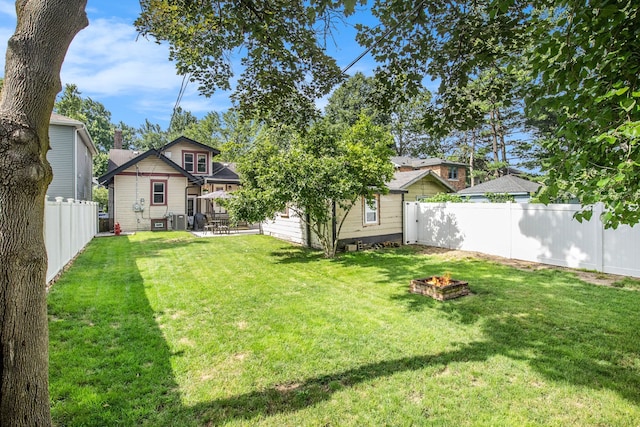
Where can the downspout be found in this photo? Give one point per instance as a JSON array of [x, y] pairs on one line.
[[403, 219]]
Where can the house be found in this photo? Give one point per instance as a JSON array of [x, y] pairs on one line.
[[454, 173], [159, 189], [520, 188], [71, 158], [376, 222]]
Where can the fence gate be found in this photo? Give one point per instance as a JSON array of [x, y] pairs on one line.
[[410, 231]]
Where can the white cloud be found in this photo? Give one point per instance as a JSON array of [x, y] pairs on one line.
[[8, 8], [106, 62], [106, 59]]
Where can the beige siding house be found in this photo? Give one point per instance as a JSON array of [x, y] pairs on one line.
[[375, 221], [160, 189]]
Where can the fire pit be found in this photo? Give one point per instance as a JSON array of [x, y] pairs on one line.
[[439, 287]]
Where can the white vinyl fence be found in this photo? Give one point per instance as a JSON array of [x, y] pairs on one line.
[[531, 232], [68, 227]]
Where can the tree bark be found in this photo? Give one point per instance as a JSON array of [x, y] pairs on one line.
[[44, 31]]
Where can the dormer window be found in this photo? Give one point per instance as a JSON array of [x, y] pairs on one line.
[[202, 163], [196, 163], [453, 172], [188, 162]]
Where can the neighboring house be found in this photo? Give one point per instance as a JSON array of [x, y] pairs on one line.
[[160, 188], [380, 221], [453, 172], [521, 189], [71, 158]]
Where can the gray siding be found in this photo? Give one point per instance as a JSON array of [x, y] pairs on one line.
[[61, 158], [84, 172]]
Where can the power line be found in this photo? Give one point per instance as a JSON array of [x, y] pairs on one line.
[[383, 36]]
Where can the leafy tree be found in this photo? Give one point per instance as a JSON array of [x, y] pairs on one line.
[[101, 196], [589, 75], [285, 67], [96, 118], [93, 114], [35, 53], [405, 119], [181, 121], [356, 96], [151, 135], [581, 56], [235, 135], [312, 173], [445, 197], [499, 197]]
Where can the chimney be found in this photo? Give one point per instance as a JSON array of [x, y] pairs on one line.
[[117, 139]]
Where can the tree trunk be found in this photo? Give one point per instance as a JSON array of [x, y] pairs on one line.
[[472, 157], [494, 139], [34, 57], [503, 144]]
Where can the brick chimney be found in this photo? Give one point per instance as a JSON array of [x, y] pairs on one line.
[[117, 139]]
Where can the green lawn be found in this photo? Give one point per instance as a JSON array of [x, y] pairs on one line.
[[164, 329]]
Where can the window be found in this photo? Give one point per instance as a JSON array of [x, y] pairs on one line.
[[370, 210], [188, 162], [202, 163], [158, 192], [453, 172]]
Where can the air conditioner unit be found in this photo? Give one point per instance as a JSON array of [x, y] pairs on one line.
[[179, 222]]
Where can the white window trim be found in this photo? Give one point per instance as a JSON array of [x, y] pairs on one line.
[[367, 209]]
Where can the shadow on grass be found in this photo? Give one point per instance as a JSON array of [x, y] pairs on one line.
[[295, 396], [296, 255], [110, 363]]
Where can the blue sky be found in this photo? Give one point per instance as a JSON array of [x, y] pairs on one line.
[[132, 76]]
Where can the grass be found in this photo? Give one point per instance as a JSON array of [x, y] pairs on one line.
[[163, 329]]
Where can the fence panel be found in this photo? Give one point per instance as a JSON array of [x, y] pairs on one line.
[[540, 233], [68, 227]]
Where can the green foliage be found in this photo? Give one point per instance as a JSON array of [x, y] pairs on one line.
[[499, 197], [101, 196], [285, 67], [100, 164], [311, 173], [590, 79], [405, 118], [445, 197], [93, 114], [356, 96], [580, 64]]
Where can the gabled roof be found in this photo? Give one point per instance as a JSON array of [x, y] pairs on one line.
[[57, 119], [509, 184], [403, 180], [189, 141], [108, 177], [120, 160], [118, 157], [223, 173], [418, 163]]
